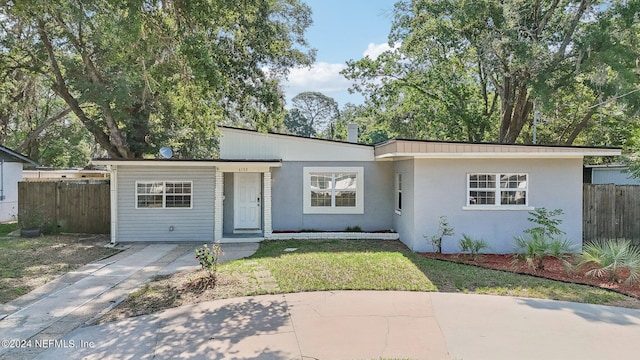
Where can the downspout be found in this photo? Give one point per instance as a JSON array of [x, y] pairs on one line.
[[1, 179], [113, 187]]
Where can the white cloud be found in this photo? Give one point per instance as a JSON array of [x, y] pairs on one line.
[[321, 77], [374, 50]]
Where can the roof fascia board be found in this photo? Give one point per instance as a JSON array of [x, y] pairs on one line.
[[202, 163], [493, 155]]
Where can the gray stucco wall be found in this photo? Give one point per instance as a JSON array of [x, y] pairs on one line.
[[440, 189], [403, 223], [287, 201], [194, 224]]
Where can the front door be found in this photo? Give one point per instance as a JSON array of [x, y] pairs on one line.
[[246, 201]]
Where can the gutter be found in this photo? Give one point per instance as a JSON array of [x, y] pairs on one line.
[[113, 187]]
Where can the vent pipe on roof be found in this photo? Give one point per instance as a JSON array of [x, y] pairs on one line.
[[352, 133]]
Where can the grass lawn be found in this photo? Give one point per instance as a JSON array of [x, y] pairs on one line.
[[28, 263], [349, 265]]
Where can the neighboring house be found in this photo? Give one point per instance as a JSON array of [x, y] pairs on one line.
[[268, 186], [609, 174], [64, 175], [11, 164]]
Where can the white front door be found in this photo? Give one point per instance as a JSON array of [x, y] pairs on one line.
[[246, 201]]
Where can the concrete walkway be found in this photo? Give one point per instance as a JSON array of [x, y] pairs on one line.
[[53, 310]]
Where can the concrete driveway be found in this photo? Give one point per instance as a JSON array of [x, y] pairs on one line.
[[365, 325]]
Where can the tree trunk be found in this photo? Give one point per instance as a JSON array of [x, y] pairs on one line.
[[581, 126], [516, 107]]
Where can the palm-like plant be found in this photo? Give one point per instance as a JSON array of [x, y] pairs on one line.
[[611, 256]]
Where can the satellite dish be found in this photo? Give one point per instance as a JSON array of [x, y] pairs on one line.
[[166, 152]]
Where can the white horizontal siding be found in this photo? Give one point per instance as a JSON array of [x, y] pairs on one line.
[[243, 144], [195, 224], [613, 176]]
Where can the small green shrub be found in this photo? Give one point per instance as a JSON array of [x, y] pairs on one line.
[[443, 230], [611, 257], [471, 245], [546, 221], [353, 229], [543, 239], [534, 249], [209, 260]]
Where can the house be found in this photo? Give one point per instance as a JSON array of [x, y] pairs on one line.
[[11, 164], [270, 186], [617, 174]]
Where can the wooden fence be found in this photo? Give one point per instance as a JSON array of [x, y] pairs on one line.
[[74, 207], [611, 212]]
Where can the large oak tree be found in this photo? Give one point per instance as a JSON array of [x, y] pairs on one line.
[[473, 70], [140, 74]]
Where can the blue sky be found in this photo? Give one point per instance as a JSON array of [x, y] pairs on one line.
[[341, 31]]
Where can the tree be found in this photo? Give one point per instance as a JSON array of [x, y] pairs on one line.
[[474, 69], [297, 124], [320, 110], [144, 74]]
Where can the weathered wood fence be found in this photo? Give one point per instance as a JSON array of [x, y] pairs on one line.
[[611, 212], [74, 207]]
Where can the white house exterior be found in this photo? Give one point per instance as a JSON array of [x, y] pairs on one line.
[[617, 174], [11, 164], [272, 186]]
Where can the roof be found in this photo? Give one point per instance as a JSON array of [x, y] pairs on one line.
[[446, 149], [297, 136], [190, 162], [19, 157]]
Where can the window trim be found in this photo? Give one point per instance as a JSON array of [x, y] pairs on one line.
[[164, 193], [306, 191], [498, 190], [398, 194]]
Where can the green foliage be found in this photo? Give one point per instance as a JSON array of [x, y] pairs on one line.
[[534, 249], [543, 239], [31, 218], [443, 230], [472, 246], [611, 257], [546, 221], [297, 124], [209, 261], [473, 70], [319, 110], [141, 75], [355, 228]]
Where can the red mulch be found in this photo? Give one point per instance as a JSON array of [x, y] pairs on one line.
[[553, 269]]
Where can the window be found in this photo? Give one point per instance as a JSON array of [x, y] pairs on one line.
[[333, 190], [163, 194], [398, 209], [497, 190]]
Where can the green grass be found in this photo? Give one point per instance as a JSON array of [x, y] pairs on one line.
[[389, 265], [325, 265], [7, 228]]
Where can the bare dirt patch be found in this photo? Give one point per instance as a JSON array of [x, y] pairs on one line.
[[554, 269], [26, 264]]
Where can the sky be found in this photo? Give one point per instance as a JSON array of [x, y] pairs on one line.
[[342, 30]]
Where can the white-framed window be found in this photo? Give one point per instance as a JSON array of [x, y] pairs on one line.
[[398, 200], [498, 190], [164, 194], [333, 190]]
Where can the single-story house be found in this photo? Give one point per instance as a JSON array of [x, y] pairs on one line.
[[11, 164], [617, 174], [271, 186]]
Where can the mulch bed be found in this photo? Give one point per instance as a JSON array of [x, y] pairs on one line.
[[553, 269]]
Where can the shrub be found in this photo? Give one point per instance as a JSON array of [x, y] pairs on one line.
[[356, 228], [611, 257], [471, 245], [209, 261], [543, 239], [534, 250], [443, 230]]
